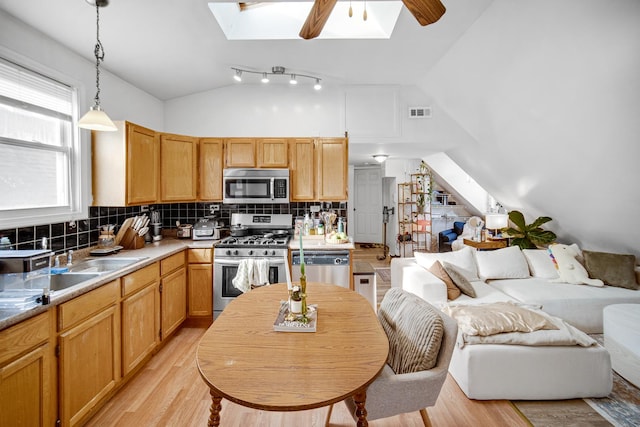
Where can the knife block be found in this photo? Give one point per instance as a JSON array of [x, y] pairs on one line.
[[132, 240]]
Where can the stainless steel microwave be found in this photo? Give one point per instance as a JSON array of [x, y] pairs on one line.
[[256, 185]]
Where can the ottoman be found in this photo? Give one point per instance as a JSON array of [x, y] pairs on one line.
[[621, 325]]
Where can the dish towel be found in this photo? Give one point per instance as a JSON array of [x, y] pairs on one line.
[[261, 272], [244, 275]]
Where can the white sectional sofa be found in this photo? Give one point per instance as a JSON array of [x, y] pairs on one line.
[[500, 371]]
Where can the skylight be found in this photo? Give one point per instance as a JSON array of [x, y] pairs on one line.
[[283, 20]]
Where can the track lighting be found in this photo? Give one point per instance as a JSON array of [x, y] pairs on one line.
[[277, 71]]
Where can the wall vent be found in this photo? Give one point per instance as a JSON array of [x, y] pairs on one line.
[[419, 112]]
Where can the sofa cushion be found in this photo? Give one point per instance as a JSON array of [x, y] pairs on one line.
[[540, 263], [506, 263], [414, 329], [438, 270], [459, 280], [612, 269], [463, 259]]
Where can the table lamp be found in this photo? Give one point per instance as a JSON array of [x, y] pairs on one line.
[[495, 222]]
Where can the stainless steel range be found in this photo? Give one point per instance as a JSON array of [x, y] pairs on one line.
[[254, 237]]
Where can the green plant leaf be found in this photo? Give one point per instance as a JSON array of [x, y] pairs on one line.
[[523, 242], [538, 222], [542, 237], [517, 218]]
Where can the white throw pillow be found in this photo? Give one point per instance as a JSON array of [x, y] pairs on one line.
[[506, 263], [540, 263], [463, 259]]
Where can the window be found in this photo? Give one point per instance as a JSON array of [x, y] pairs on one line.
[[40, 165]]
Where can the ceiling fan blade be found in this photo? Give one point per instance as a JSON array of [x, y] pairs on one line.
[[316, 19], [425, 11]]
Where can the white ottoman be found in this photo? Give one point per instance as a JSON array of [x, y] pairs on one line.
[[621, 325]]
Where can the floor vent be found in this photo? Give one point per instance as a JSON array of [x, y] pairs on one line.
[[419, 112]]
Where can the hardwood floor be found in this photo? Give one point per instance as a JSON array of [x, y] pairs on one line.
[[168, 391]]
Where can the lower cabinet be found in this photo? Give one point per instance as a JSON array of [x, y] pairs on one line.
[[26, 393], [200, 292], [173, 293], [89, 351]]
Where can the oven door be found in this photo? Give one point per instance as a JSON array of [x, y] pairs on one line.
[[224, 271]]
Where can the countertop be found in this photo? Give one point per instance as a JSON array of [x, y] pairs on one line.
[[317, 243], [151, 253]]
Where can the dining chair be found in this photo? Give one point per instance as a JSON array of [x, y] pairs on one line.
[[421, 342]]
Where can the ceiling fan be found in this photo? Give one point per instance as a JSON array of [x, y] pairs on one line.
[[425, 11]]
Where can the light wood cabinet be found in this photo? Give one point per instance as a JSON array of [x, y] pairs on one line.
[[210, 157], [240, 153], [319, 169], [27, 392], [179, 168], [140, 316], [272, 153], [173, 293], [200, 288], [125, 166], [332, 173]]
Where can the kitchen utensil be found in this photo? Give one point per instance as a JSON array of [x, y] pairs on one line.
[[143, 231], [125, 226], [239, 230]]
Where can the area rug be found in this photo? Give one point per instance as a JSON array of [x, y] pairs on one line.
[[370, 245], [384, 273], [622, 406]]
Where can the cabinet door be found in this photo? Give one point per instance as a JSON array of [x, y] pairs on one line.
[[240, 153], [211, 165], [88, 364], [143, 165], [200, 290], [179, 167], [140, 326], [273, 153], [301, 169], [173, 301], [332, 174], [25, 390]]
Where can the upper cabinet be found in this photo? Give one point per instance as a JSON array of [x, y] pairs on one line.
[[179, 166], [318, 169], [240, 153], [210, 159], [272, 153], [301, 169], [126, 166]]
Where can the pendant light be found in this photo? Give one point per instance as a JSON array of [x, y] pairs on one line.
[[96, 119]]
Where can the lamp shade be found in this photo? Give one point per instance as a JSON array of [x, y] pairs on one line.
[[96, 119], [496, 221]]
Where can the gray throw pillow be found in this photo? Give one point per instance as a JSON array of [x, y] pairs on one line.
[[458, 278], [613, 269]]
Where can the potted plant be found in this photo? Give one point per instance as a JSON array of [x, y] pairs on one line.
[[528, 236]]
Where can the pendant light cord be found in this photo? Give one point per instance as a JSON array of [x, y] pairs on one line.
[[99, 54]]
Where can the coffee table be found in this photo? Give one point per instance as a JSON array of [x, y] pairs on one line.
[[242, 359]]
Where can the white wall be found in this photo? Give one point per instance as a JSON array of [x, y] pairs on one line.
[[549, 93]]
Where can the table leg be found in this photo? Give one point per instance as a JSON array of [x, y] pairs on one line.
[[361, 413], [216, 407]]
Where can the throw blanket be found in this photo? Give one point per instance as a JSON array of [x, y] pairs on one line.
[[251, 272], [553, 331]]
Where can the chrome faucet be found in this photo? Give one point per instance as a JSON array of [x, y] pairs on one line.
[[69, 258]]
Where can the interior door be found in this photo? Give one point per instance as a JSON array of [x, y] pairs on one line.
[[367, 212]]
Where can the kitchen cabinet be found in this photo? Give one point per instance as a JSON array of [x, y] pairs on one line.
[[179, 168], [272, 153], [173, 293], [210, 158], [318, 169], [240, 153], [89, 351], [125, 166], [332, 173], [140, 316], [200, 288], [27, 390]]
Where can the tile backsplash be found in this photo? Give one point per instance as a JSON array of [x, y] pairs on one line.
[[84, 233]]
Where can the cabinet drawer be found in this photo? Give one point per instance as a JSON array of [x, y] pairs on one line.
[[171, 263], [24, 336], [82, 307], [137, 280], [200, 256]]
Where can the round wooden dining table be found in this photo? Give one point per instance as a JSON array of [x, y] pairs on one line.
[[242, 358]]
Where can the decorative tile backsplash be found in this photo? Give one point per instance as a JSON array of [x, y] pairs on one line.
[[84, 233]]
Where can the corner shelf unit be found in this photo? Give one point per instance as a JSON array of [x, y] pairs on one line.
[[414, 222]]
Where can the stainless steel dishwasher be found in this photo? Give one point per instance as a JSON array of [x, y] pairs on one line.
[[322, 266]]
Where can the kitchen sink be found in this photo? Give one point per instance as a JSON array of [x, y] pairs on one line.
[[63, 281], [103, 265]]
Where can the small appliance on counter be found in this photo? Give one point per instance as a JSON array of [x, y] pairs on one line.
[[207, 229], [184, 230]]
